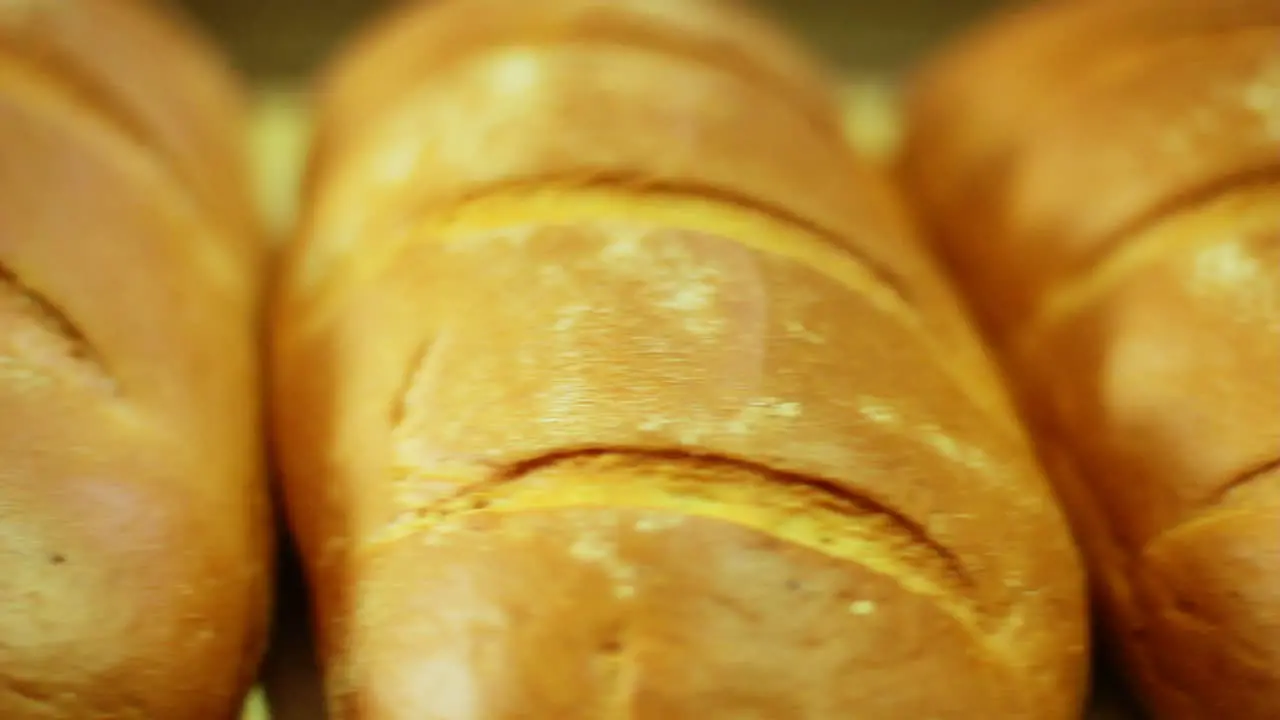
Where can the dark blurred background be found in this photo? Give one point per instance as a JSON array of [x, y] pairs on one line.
[[288, 37]]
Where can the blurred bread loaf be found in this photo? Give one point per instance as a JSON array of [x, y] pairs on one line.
[[608, 384], [134, 527], [1104, 178]]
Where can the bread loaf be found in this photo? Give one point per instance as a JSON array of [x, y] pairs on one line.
[[134, 525], [1105, 182], [608, 384]]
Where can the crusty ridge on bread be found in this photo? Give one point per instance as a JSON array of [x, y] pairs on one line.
[[1114, 220], [607, 381], [158, 81]]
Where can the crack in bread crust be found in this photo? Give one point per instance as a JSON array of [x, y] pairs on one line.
[[1117, 243], [81, 91], [1229, 499], [817, 513], [589, 196], [38, 334], [27, 697], [1141, 246], [68, 81], [51, 100], [1234, 501], [1244, 480], [624, 187]]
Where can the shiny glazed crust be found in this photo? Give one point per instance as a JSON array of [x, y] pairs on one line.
[[134, 529], [1115, 218], [607, 384]]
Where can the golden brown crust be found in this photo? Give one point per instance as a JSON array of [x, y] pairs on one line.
[[592, 116], [422, 38], [1215, 126], [144, 69], [1126, 259], [569, 342], [134, 525], [1185, 312], [626, 612], [1006, 62]]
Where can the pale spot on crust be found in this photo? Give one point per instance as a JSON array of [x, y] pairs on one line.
[[691, 436], [949, 447], [553, 275], [800, 332], [691, 297], [1226, 265], [1219, 113], [787, 409], [596, 546], [517, 73], [394, 168], [1262, 96], [566, 396], [1196, 124], [878, 411], [759, 411], [659, 522], [624, 245], [862, 608], [568, 316], [654, 424], [691, 292]]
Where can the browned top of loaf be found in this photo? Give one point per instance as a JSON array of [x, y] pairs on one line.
[[421, 38], [1114, 217], [561, 284], [1137, 106], [574, 114], [157, 80]]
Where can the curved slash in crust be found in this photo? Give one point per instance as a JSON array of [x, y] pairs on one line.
[[1247, 478], [637, 184], [1105, 251], [69, 342], [818, 513], [1230, 498]]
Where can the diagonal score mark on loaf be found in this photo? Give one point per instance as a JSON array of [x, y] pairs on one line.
[[79, 89], [1268, 470], [30, 696], [1149, 246], [568, 198], [38, 339], [1129, 248], [71, 108], [812, 512], [584, 197], [1189, 227], [66, 80], [1239, 494], [1233, 117], [1138, 246], [1252, 492]]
